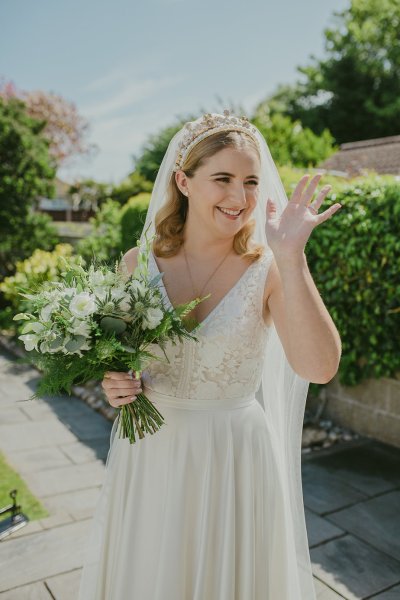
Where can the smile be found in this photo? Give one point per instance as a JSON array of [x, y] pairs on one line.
[[232, 213]]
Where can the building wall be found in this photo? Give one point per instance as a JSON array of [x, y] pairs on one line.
[[371, 408]]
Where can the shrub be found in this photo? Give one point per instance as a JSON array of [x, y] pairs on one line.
[[133, 215], [353, 258], [104, 242], [30, 274]]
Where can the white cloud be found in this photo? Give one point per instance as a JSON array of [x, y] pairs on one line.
[[128, 94]]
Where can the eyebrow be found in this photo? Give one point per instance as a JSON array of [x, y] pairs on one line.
[[231, 175]]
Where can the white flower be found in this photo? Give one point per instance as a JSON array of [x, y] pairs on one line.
[[47, 310], [96, 278], [33, 326], [79, 327], [152, 318], [137, 288], [30, 341], [82, 305], [68, 292]]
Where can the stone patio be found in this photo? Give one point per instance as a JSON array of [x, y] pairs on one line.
[[351, 495]]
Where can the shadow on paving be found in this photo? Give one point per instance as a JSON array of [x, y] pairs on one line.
[[352, 500], [89, 427]]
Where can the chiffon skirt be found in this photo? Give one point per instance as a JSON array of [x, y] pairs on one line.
[[194, 511]]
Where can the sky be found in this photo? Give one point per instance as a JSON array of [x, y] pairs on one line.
[[135, 67]]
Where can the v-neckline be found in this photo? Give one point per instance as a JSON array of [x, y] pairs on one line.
[[213, 310]]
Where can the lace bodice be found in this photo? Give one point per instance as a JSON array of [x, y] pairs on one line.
[[227, 359]]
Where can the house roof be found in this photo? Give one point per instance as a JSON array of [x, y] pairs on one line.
[[381, 155]]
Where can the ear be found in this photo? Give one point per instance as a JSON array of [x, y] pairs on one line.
[[181, 179]]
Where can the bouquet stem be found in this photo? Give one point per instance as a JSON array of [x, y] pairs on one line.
[[138, 416]]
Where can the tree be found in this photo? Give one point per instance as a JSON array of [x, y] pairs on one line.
[[355, 91], [289, 142], [26, 172], [64, 128]]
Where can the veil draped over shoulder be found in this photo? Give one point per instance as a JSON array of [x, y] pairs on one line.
[[282, 392]]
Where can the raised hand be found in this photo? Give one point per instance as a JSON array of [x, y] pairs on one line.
[[288, 233]]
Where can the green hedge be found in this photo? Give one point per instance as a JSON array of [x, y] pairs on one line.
[[354, 261], [133, 215]]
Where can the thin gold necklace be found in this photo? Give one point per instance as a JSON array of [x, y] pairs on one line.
[[190, 274]]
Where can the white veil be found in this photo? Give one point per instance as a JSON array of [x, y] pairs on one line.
[[282, 392]]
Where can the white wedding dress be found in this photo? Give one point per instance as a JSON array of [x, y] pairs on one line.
[[196, 511]]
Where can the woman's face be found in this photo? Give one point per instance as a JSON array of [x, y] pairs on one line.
[[229, 180]]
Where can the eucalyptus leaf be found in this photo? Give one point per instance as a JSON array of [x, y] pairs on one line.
[[112, 325]]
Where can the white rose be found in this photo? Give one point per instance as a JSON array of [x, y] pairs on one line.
[[152, 318], [82, 305]]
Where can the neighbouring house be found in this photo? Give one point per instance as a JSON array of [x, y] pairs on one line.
[[64, 206], [354, 158]]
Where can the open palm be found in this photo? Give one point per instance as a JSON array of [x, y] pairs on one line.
[[288, 233]]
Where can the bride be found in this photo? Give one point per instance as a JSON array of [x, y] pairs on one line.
[[210, 507]]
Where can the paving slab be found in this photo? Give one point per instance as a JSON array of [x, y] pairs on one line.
[[320, 530], [39, 459], [80, 504], [34, 591], [324, 492], [24, 436], [371, 468], [79, 453], [65, 586], [65, 479], [322, 591], [392, 594], [353, 568], [44, 554], [375, 521]]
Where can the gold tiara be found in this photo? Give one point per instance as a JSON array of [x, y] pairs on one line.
[[209, 124]]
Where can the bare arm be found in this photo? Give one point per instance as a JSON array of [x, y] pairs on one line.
[[308, 334]]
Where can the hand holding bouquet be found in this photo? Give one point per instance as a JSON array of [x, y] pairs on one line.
[[99, 320]]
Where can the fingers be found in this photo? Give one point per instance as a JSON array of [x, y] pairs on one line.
[[328, 213], [116, 402], [296, 196], [120, 388], [304, 197]]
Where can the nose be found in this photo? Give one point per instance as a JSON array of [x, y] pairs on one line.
[[238, 198]]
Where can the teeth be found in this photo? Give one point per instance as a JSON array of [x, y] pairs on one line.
[[229, 212]]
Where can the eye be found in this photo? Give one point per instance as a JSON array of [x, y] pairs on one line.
[[252, 181]]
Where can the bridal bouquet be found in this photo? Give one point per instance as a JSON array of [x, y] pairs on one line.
[[98, 320]]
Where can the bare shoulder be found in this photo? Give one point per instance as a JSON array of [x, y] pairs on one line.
[[130, 258]]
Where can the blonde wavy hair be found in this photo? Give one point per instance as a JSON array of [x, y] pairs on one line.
[[170, 220]]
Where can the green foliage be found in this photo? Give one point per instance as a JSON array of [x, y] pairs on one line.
[[104, 242], [133, 216], [26, 172], [353, 260], [10, 480], [355, 90], [36, 232], [148, 163], [132, 185], [30, 274], [289, 142]]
